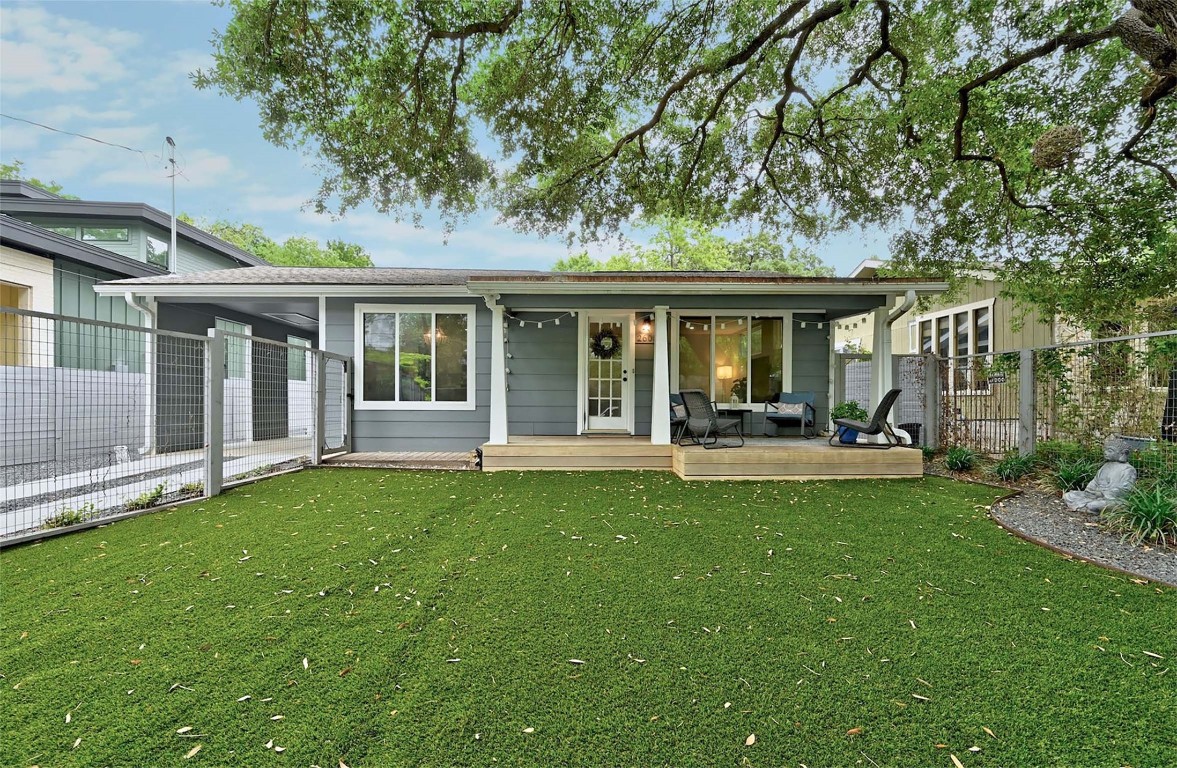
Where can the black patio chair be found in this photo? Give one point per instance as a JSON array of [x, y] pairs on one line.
[[786, 409], [876, 426], [678, 417], [704, 425]]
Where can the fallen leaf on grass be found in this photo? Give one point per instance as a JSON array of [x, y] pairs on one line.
[[246, 697], [986, 730], [853, 731], [77, 742], [192, 752], [1154, 655], [974, 749], [344, 671], [67, 717], [921, 698], [529, 730], [279, 749], [750, 740], [278, 717], [306, 663], [575, 661], [956, 762], [270, 744], [342, 764], [185, 729]]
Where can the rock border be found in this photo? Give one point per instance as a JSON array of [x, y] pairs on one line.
[[1099, 547]]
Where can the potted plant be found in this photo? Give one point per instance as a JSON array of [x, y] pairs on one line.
[[848, 409]]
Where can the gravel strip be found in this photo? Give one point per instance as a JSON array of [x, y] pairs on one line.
[[1044, 518]]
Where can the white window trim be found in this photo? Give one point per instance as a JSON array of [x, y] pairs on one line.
[[951, 313], [247, 354], [674, 321], [471, 313]]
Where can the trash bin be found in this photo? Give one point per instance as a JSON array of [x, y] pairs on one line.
[[912, 428]]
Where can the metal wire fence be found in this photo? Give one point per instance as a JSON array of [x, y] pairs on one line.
[[99, 419]]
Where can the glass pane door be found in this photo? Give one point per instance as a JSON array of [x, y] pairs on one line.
[[607, 368]]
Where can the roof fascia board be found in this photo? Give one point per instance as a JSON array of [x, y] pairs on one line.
[[208, 290], [842, 289], [100, 209]]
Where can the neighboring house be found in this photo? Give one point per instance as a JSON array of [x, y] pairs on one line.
[[450, 360], [978, 321], [53, 251]]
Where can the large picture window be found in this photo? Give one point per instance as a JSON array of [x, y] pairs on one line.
[[415, 357], [735, 358]]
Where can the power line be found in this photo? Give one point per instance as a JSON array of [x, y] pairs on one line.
[[71, 133]]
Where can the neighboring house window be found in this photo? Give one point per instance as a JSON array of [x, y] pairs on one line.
[[105, 234], [296, 362], [957, 333], [415, 357], [65, 231], [731, 356], [157, 252], [236, 348]]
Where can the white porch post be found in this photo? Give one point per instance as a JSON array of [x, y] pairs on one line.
[[660, 397], [498, 374]]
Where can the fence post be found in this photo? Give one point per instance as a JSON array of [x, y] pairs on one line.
[[1026, 405], [348, 399], [214, 412], [320, 435], [931, 369]]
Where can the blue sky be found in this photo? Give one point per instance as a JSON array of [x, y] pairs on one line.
[[118, 71]]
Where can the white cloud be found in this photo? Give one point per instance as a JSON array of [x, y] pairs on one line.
[[41, 52], [199, 169]]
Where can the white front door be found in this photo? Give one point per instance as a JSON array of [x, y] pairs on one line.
[[608, 372]]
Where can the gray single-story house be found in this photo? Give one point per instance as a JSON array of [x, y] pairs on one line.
[[455, 359]]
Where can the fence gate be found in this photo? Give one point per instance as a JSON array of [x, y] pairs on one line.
[[99, 420]]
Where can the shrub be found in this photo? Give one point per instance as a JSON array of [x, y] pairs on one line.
[[1013, 467], [1157, 465], [1147, 515], [960, 459], [849, 409], [70, 516], [147, 500], [1073, 474], [195, 488], [1049, 454], [929, 452]]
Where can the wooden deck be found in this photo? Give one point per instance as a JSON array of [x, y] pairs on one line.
[[758, 459]]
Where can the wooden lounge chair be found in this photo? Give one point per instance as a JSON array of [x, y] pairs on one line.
[[876, 426], [704, 425], [798, 409]]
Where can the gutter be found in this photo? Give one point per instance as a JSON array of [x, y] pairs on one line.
[[902, 309], [149, 309]]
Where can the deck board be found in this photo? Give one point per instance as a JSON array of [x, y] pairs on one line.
[[758, 459]]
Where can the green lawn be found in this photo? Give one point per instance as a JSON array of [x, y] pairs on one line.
[[389, 619]]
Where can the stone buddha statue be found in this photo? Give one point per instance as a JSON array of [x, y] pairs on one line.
[[1112, 484]]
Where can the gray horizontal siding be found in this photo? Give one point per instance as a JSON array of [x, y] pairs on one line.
[[133, 248], [423, 430], [811, 362], [541, 395]]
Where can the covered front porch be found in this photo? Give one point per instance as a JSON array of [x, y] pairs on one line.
[[760, 458]]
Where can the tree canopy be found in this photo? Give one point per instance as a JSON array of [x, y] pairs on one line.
[[689, 245], [1032, 137], [295, 251], [15, 171]]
